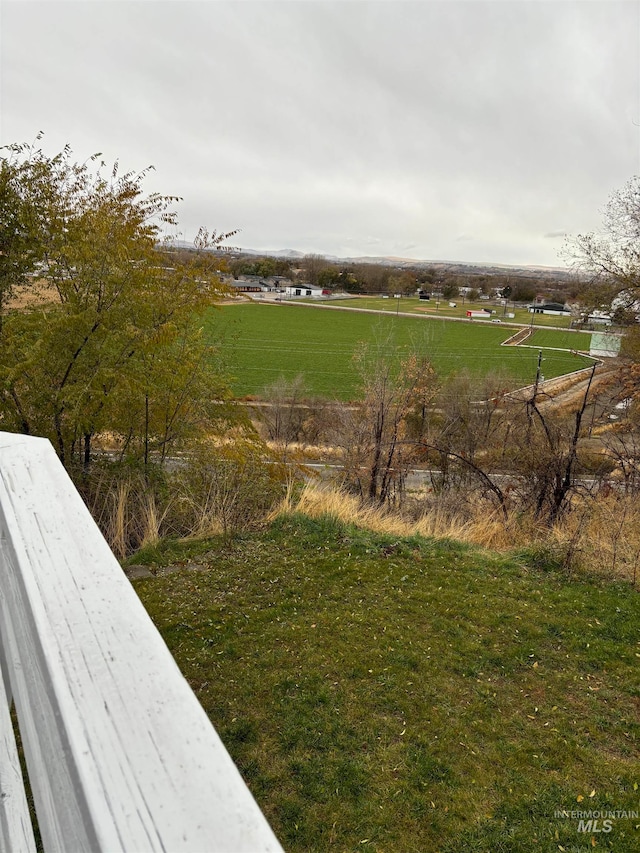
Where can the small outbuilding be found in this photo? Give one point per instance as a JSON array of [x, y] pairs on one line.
[[299, 290], [553, 308]]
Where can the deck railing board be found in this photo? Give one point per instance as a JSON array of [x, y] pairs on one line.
[[132, 761], [16, 831]]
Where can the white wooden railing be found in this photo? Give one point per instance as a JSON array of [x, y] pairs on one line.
[[119, 753]]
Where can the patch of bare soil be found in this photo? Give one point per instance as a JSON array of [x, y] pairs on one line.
[[570, 394]]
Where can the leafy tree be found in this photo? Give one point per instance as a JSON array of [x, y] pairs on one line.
[[523, 291], [117, 349], [372, 278], [263, 267], [450, 290], [27, 215], [335, 277], [328, 277], [427, 276], [403, 283]]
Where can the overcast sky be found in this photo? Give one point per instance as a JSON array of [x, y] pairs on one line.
[[471, 131]]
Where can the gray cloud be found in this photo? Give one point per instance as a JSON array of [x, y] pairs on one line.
[[319, 126]]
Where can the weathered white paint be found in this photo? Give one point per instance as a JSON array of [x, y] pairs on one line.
[[16, 832], [120, 754]]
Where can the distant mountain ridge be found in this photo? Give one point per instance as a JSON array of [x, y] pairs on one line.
[[468, 267], [451, 266]]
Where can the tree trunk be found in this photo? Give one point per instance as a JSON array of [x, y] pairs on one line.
[[86, 462]]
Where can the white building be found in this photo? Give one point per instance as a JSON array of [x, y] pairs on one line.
[[293, 290]]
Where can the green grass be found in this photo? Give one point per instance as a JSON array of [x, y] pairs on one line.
[[566, 340], [263, 342], [405, 695], [441, 308]]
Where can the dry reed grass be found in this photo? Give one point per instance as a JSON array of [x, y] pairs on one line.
[[606, 535], [152, 519], [118, 521], [601, 536], [316, 500]]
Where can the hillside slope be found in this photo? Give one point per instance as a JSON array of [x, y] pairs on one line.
[[410, 694]]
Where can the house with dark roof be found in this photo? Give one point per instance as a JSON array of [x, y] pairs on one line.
[[553, 308]]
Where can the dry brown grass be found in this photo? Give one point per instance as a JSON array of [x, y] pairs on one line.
[[118, 519], [606, 535], [317, 500], [33, 296]]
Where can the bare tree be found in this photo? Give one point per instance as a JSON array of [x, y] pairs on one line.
[[378, 436], [467, 435], [312, 266], [612, 255], [525, 454], [283, 415], [551, 454]]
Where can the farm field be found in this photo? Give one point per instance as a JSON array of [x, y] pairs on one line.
[[440, 308], [409, 695], [264, 342]]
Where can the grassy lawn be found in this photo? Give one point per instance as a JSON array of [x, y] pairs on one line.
[[263, 342], [410, 695], [441, 308], [566, 340]]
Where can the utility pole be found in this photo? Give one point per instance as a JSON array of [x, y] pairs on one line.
[[538, 373], [531, 404]]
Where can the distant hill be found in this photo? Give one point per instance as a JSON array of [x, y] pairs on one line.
[[461, 267], [466, 267]]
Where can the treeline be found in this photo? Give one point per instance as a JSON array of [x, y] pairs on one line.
[[363, 278]]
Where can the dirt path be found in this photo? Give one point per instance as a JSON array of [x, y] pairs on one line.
[[574, 394]]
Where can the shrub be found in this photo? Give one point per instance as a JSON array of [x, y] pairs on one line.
[[218, 489], [228, 487]]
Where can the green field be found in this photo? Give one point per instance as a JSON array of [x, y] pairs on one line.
[[264, 342], [565, 340], [410, 695], [441, 308]]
